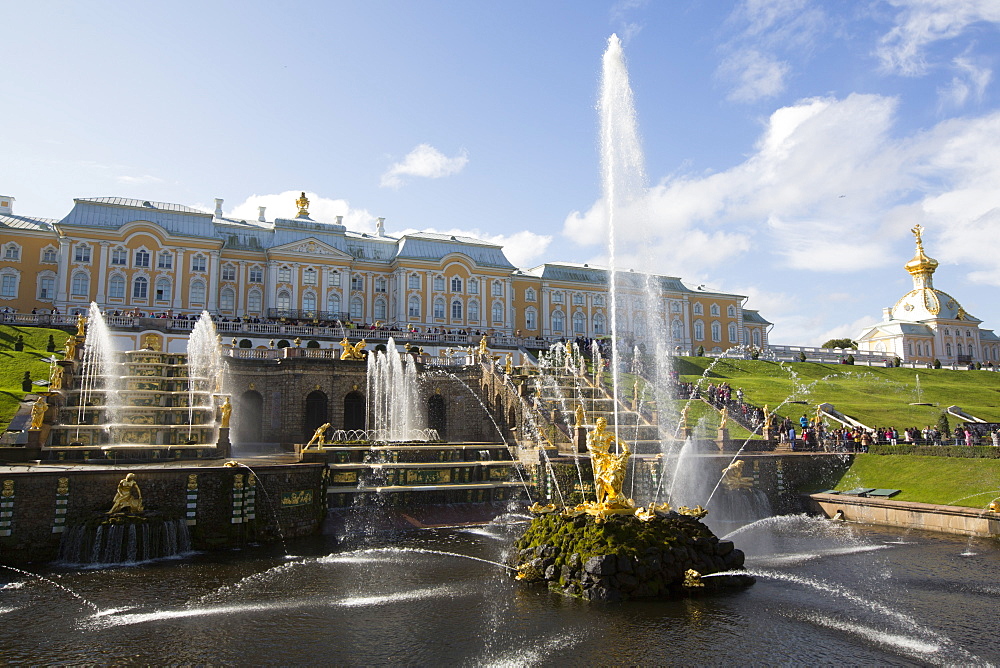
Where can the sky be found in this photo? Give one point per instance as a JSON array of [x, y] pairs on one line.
[[789, 145]]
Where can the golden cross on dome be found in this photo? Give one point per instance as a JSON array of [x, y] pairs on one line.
[[918, 231]]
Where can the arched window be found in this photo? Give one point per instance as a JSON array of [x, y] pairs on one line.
[[116, 287], [357, 309], [529, 295], [227, 300], [140, 288], [197, 293], [81, 253], [49, 255], [947, 349], [497, 313], [530, 318], [439, 308], [309, 276], [333, 302], [163, 289], [714, 310], [716, 331], [909, 348], [959, 349], [254, 301], [198, 262], [698, 309], [577, 299], [309, 301], [119, 257], [579, 323], [165, 260], [558, 321], [46, 286], [498, 288], [381, 285], [756, 337], [732, 333], [456, 307], [456, 283], [677, 330], [473, 311], [473, 286], [414, 307], [599, 324], [439, 284], [731, 311], [675, 307], [379, 310], [699, 330], [9, 280], [413, 282], [142, 258], [80, 284]]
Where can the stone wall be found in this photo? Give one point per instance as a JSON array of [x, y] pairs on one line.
[[224, 507], [906, 514]]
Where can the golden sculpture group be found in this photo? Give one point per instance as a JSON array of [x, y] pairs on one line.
[[352, 351], [319, 436], [128, 499], [609, 477]]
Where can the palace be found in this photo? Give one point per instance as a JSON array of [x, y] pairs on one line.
[[927, 324], [170, 260]]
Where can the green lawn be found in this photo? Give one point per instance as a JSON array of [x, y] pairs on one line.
[[13, 364], [877, 396], [950, 481]]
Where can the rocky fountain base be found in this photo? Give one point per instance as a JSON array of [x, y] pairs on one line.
[[624, 557]]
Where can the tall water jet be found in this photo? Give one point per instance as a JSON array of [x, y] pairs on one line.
[[101, 374], [204, 359], [394, 397], [623, 177]]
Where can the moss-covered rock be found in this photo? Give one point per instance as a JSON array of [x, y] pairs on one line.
[[624, 557]]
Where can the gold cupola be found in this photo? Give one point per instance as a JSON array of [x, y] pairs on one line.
[[921, 267]]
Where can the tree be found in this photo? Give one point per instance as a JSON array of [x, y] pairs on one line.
[[943, 426], [840, 343], [937, 363], [850, 359], [701, 351], [802, 356], [51, 345]]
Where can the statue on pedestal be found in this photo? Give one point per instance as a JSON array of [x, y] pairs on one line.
[[319, 436], [226, 410], [352, 351], [609, 468], [38, 413], [128, 499], [81, 325]]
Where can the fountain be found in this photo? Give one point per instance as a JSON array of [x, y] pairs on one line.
[[394, 397]]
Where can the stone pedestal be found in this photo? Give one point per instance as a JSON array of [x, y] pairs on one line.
[[224, 448], [34, 438], [723, 437], [580, 437]]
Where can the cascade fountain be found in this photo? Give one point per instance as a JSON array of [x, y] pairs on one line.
[[394, 412]]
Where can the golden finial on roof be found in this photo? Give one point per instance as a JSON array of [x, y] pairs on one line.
[[303, 204], [921, 266]]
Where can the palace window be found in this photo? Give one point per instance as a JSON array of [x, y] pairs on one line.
[[333, 303], [677, 330], [381, 285], [228, 272], [81, 253], [456, 284], [8, 285], [357, 309], [119, 257], [140, 288], [357, 283], [142, 258], [675, 307], [456, 309], [116, 287], [256, 275], [598, 300], [413, 281], [473, 311], [579, 323], [498, 288], [333, 279], [309, 276], [80, 284], [439, 308], [529, 295], [198, 263], [163, 290], [49, 255], [731, 311], [284, 274], [439, 284], [557, 298], [947, 349], [578, 299], [599, 324], [227, 300], [732, 333], [197, 292], [379, 310], [254, 301], [558, 321], [716, 331], [756, 337], [309, 302], [414, 307], [46, 287], [284, 301], [473, 286], [497, 313], [165, 260], [699, 330], [714, 310], [530, 319]]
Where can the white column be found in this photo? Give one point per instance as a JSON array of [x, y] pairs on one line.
[[213, 281], [102, 273], [271, 287], [180, 288], [63, 275], [543, 298], [241, 287]]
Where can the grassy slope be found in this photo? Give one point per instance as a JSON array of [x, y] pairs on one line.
[[944, 480], [13, 364], [875, 395]]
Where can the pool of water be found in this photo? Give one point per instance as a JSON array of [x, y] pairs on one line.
[[825, 593]]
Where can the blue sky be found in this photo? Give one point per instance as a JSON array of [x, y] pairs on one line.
[[790, 145]]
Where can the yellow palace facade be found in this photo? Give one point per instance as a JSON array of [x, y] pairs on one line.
[[170, 260]]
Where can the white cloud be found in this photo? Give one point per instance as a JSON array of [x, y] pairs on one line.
[[920, 23], [756, 75], [424, 161], [139, 180], [970, 80], [282, 205]]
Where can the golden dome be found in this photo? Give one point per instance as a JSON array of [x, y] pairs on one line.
[[920, 264]]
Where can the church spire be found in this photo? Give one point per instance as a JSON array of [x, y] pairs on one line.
[[921, 267]]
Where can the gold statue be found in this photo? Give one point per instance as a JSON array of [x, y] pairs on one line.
[[508, 366], [538, 509], [70, 348], [128, 499], [482, 346], [581, 417], [81, 325], [303, 204], [352, 351], [994, 507], [692, 578], [697, 512], [56, 377], [38, 413], [733, 478], [319, 436], [609, 468], [151, 342], [226, 409], [724, 419]]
